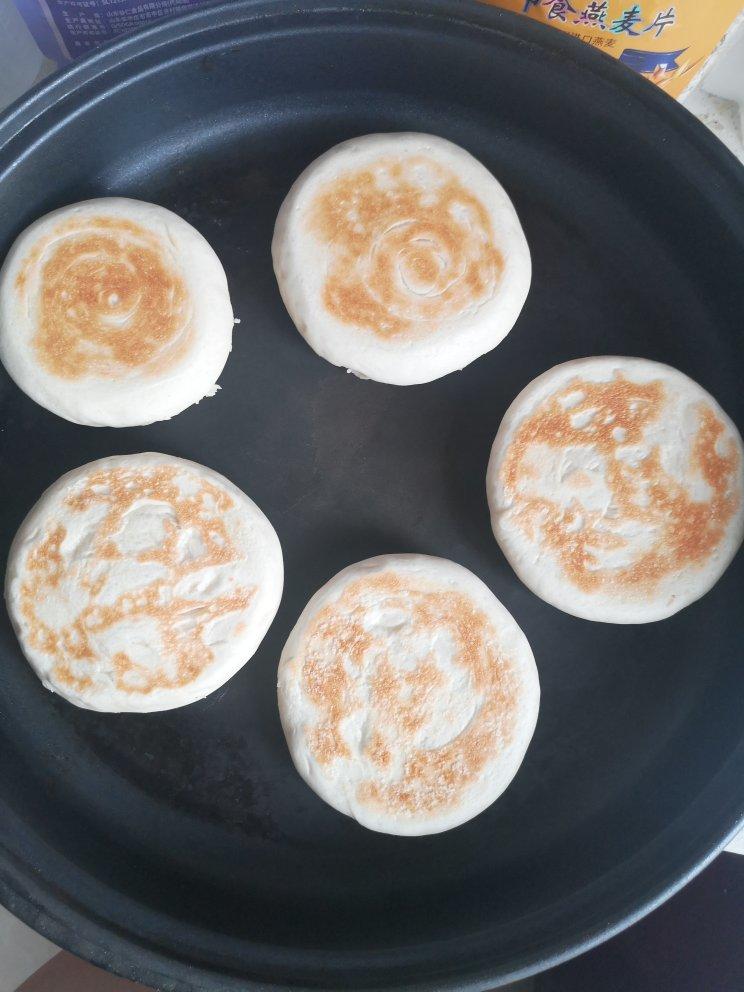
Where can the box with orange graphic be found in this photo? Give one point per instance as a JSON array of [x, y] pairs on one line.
[[669, 43]]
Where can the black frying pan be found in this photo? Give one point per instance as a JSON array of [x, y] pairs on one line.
[[181, 848]]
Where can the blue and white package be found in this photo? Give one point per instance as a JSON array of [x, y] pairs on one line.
[[67, 29]]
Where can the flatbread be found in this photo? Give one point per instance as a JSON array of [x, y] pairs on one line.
[[408, 694], [142, 582], [615, 487], [114, 312], [400, 257]]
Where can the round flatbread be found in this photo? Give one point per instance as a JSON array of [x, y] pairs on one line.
[[113, 313], [615, 487], [142, 582], [400, 257], [408, 694]]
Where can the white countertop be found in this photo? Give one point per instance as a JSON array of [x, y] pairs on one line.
[[22, 951]]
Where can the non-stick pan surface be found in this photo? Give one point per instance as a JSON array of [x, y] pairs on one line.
[[181, 848]]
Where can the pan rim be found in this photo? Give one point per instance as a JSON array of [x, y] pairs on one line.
[[109, 945]]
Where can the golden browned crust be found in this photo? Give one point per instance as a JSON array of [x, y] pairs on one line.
[[117, 490], [381, 225], [109, 300], [687, 531], [336, 647]]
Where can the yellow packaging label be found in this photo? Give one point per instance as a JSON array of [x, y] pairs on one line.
[[667, 43]]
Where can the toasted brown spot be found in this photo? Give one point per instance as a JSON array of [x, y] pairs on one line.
[[687, 531], [340, 655], [66, 675], [106, 300], [377, 751], [405, 254], [184, 649], [46, 557]]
